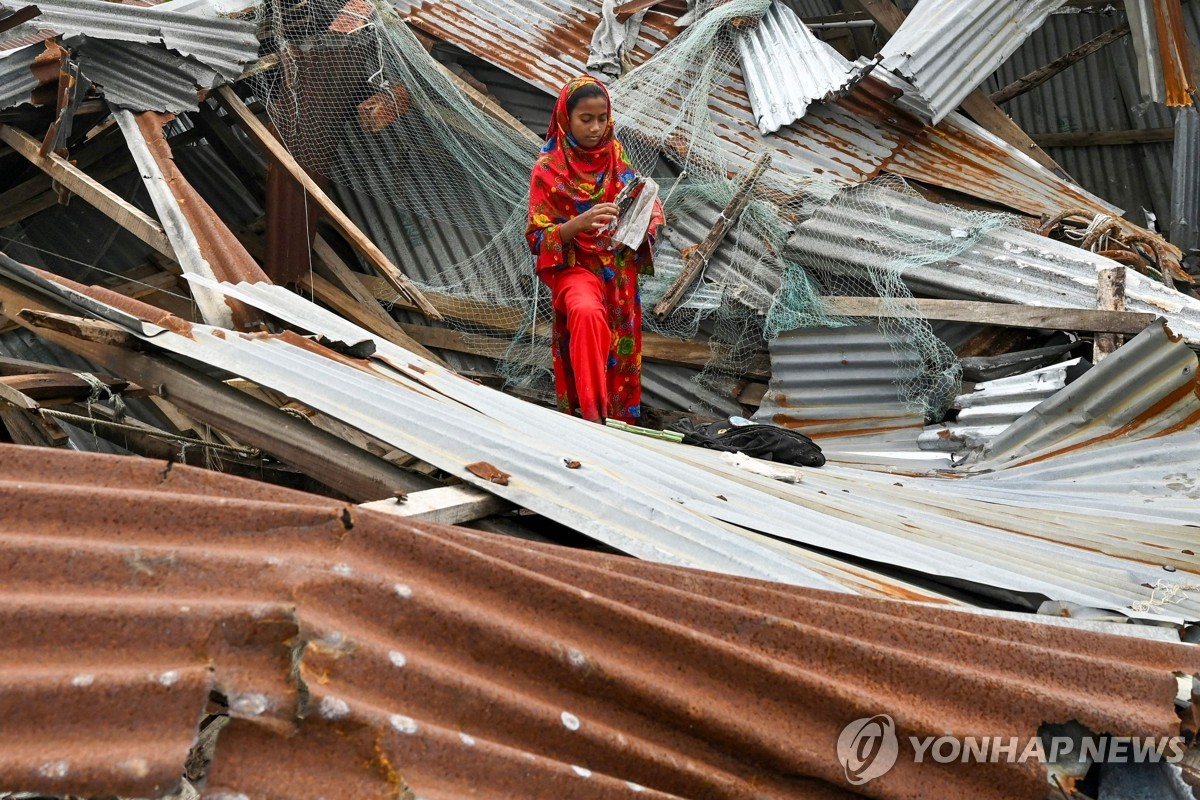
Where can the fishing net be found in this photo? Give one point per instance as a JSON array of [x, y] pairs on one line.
[[442, 187]]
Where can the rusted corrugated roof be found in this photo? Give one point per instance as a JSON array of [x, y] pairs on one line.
[[369, 657], [545, 42]]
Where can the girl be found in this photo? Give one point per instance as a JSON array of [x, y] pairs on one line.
[[597, 344]]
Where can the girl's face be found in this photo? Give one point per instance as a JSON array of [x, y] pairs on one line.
[[589, 121]]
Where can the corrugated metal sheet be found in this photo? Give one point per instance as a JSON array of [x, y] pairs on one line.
[[993, 406], [1099, 93], [1007, 265], [139, 77], [679, 504], [17, 80], [193, 248], [1185, 182], [842, 383], [947, 48], [1161, 44], [786, 68], [221, 43], [980, 549], [224, 191], [838, 143], [1146, 389], [376, 663]]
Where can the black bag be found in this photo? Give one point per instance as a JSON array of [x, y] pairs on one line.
[[768, 442]]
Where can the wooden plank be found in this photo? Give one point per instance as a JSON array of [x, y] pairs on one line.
[[55, 386], [19, 366], [502, 319], [359, 240], [1110, 296], [1102, 138], [92, 191], [90, 330], [1039, 76], [1003, 314], [447, 505], [19, 17], [491, 107]]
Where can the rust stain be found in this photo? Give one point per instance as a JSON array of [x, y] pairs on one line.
[[489, 472], [229, 258]]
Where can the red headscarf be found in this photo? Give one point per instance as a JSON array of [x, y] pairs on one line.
[[569, 179]]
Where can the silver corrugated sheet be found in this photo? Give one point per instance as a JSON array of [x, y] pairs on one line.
[[988, 410], [225, 45], [1147, 388], [1185, 182], [1144, 34], [1148, 479], [835, 383], [16, 77], [1007, 265], [786, 68], [947, 48], [850, 512], [139, 77]]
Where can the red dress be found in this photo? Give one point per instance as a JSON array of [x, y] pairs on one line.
[[597, 344]]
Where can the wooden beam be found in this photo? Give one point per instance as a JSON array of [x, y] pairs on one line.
[[1110, 296], [1039, 76], [92, 191], [978, 105], [19, 17], [89, 330], [25, 425], [359, 240], [491, 107], [1004, 314], [447, 505], [57, 386], [696, 258], [1104, 138]]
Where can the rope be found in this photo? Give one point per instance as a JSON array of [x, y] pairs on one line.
[[99, 388], [185, 441], [1171, 593]]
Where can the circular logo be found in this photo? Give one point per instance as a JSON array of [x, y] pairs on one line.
[[868, 748]]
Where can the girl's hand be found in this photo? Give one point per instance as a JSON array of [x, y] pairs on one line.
[[589, 221], [598, 216]]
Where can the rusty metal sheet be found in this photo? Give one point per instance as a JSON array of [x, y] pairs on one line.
[[545, 42], [1163, 54], [370, 657]]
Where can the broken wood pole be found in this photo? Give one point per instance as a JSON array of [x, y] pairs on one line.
[[697, 258], [1110, 296]]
